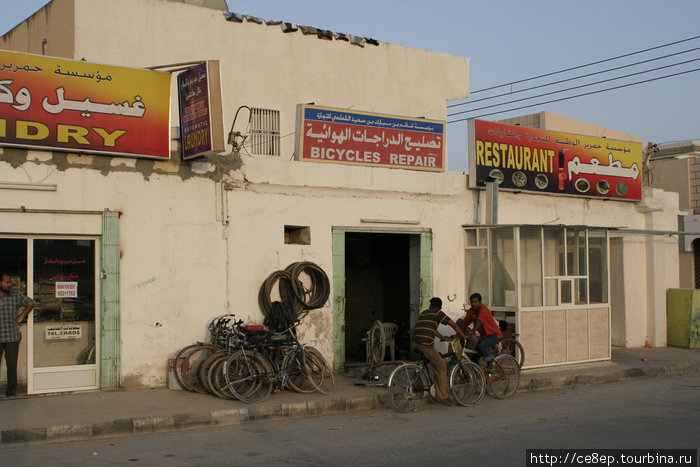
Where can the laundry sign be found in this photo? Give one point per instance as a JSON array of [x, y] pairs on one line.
[[66, 290], [63, 331]]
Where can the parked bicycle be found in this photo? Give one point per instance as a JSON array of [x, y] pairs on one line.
[[410, 383], [268, 359]]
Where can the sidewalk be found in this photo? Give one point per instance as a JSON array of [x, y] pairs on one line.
[[103, 414]]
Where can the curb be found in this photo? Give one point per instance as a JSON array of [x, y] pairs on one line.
[[164, 423], [291, 410], [570, 382]]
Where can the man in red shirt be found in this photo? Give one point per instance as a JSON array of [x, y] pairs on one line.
[[485, 324]]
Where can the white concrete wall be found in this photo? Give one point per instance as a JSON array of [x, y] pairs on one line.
[[261, 66]]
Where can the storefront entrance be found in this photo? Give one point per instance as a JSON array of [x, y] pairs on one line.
[[60, 348], [378, 276]]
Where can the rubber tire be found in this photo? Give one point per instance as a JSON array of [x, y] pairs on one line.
[[409, 387], [506, 379], [512, 347], [321, 372], [203, 371], [217, 379], [467, 383], [187, 364], [248, 376]]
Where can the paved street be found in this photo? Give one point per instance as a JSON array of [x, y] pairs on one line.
[[649, 413]]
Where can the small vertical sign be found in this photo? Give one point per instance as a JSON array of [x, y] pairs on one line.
[[201, 121]]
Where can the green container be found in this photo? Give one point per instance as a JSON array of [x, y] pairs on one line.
[[683, 318]]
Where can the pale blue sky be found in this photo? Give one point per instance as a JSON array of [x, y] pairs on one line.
[[509, 40]]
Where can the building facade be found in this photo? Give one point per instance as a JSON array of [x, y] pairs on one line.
[[160, 247]]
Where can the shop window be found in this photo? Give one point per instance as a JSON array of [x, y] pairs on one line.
[[264, 132], [576, 252], [598, 266], [554, 252], [531, 267], [502, 267], [296, 235]]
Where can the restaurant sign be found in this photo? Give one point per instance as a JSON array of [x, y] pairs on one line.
[[542, 161], [362, 138], [67, 105]]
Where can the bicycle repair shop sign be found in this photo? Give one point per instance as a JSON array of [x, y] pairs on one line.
[[63, 331], [361, 138], [543, 161], [68, 105]]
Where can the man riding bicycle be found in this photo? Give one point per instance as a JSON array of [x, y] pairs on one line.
[[424, 338], [484, 326]]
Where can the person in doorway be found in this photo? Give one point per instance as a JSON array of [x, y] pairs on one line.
[[423, 339], [10, 317], [485, 328]]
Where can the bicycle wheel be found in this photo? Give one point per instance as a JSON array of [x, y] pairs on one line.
[[409, 387], [216, 378], [248, 376], [187, 364], [467, 383], [203, 371], [510, 346], [320, 372], [504, 379], [299, 380]]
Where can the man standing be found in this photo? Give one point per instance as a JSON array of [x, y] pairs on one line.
[[484, 324], [423, 339], [10, 317]]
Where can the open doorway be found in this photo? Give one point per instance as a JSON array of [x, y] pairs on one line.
[[382, 283]]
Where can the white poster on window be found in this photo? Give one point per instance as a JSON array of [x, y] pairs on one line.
[[66, 290], [64, 331]]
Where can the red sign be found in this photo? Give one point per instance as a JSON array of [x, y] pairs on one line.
[[361, 138], [530, 159], [58, 104]]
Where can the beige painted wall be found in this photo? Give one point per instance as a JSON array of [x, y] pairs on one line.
[[55, 22]]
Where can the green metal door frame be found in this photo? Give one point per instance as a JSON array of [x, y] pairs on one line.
[[110, 350], [338, 239]]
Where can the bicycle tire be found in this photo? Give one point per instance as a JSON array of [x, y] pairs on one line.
[[505, 377], [203, 371], [299, 381], [511, 346], [321, 372], [409, 387], [248, 376], [217, 379], [187, 364], [467, 383]]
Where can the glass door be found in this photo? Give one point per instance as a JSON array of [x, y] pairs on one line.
[[63, 348]]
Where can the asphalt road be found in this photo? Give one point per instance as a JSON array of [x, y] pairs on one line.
[[644, 414]]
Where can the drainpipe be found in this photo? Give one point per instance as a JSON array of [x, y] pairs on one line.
[[491, 201]]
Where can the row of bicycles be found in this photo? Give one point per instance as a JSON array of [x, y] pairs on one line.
[[248, 363], [411, 384]]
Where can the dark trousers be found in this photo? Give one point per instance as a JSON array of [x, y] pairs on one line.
[[11, 350]]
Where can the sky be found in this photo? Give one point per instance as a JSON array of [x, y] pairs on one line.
[[511, 40]]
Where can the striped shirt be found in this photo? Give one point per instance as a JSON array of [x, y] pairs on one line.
[[10, 304], [426, 326]]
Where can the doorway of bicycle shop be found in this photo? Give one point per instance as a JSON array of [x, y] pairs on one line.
[[384, 275], [59, 347]]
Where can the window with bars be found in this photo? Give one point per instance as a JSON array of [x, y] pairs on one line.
[[264, 133]]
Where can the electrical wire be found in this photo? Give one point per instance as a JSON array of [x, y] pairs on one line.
[[574, 87], [572, 79], [587, 64], [578, 95]]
